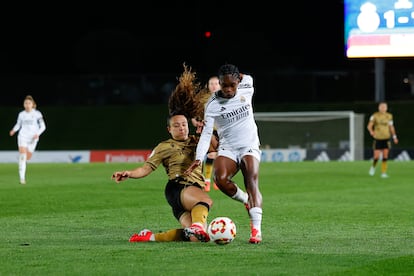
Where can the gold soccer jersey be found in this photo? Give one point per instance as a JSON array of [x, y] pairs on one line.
[[382, 122], [176, 157]]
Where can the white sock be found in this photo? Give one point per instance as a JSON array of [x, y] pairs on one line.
[[240, 195], [256, 217], [22, 166]]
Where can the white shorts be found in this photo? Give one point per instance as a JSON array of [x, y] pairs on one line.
[[237, 154], [30, 144]]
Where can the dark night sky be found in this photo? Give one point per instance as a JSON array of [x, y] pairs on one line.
[[157, 38], [45, 48]]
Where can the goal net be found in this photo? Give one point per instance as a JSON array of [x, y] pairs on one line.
[[336, 135]]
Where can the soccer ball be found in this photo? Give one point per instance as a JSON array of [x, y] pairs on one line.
[[222, 230]]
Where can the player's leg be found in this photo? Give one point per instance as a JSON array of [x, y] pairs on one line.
[[198, 203], [31, 147], [173, 191], [178, 234], [208, 169], [22, 159], [147, 235], [384, 163], [167, 236], [376, 156], [211, 156], [250, 170], [224, 169]]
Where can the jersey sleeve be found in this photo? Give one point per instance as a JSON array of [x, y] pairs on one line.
[[247, 80], [371, 118], [18, 124], [41, 123], [205, 138], [156, 157], [391, 120]]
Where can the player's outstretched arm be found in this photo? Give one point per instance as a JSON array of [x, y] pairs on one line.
[[137, 173]]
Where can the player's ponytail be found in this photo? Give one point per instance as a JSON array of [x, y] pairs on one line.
[[183, 99]]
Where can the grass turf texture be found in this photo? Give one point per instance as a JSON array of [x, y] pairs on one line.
[[328, 218]]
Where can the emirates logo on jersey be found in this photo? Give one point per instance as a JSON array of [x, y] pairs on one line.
[[237, 113]]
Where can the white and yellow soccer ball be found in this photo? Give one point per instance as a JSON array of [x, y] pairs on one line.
[[222, 230]]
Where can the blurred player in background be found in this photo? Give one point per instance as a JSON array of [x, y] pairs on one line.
[[381, 128], [30, 125], [213, 85], [189, 202], [230, 110]]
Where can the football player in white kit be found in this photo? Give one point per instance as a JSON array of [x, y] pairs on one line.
[[230, 110], [30, 125]]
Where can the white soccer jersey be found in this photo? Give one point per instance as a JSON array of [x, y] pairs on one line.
[[234, 120], [29, 124]]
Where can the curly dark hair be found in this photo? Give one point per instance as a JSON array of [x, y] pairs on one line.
[[229, 69], [184, 99]]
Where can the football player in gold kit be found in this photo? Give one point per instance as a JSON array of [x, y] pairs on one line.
[[185, 193], [381, 128]]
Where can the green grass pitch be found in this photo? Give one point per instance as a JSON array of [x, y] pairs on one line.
[[328, 218]]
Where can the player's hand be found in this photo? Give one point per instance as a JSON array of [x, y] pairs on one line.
[[199, 129], [193, 165], [199, 126], [395, 140], [120, 176]]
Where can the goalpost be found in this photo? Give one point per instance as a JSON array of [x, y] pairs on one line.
[[337, 134]]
